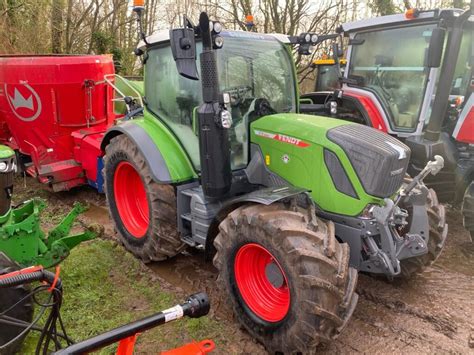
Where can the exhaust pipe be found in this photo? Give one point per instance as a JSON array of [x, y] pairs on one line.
[[214, 122]]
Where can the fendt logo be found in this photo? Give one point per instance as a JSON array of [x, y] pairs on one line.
[[24, 101]]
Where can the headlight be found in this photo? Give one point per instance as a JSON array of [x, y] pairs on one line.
[[218, 42], [217, 27], [226, 119]]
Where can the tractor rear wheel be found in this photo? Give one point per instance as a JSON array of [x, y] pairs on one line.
[[436, 240], [143, 211], [468, 209], [289, 279], [23, 312]]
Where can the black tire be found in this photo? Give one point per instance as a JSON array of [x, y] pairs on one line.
[[24, 311], [321, 284], [437, 238], [161, 239], [468, 209]]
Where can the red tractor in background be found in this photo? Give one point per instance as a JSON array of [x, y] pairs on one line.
[[411, 75]]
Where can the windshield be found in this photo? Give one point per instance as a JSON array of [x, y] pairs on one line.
[[390, 63], [327, 77], [249, 69]]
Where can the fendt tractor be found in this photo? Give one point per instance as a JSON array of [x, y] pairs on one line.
[[219, 158], [418, 89]]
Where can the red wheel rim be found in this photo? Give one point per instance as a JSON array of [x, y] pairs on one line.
[[130, 199], [262, 282]]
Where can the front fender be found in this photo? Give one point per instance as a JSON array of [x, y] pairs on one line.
[[163, 154], [265, 196]]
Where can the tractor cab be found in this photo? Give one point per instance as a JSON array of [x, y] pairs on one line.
[[411, 75], [255, 70], [328, 74], [393, 70], [403, 75]]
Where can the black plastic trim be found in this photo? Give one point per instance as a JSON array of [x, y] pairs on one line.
[[338, 174]]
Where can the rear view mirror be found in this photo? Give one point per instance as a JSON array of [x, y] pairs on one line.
[[383, 60], [183, 47], [435, 48]]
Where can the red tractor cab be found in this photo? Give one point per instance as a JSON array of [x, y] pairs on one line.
[[411, 75]]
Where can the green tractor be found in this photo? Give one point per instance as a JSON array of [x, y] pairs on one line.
[[290, 206]]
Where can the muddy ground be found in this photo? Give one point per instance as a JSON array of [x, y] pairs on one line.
[[431, 313]]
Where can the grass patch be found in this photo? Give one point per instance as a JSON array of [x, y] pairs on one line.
[[105, 287]]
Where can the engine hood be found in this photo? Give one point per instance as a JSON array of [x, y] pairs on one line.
[[296, 129], [345, 165]]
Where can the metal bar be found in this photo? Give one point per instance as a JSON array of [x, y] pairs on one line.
[[196, 306], [110, 82]]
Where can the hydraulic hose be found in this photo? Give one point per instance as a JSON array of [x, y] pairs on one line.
[[27, 276]]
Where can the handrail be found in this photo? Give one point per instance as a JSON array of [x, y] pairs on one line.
[[111, 83]]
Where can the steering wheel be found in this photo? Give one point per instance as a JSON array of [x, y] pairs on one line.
[[239, 94]]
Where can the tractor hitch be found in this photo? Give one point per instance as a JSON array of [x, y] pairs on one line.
[[22, 239]]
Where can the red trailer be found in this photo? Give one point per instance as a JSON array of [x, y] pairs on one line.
[[56, 109]]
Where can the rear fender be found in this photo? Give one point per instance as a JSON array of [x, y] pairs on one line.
[[163, 154]]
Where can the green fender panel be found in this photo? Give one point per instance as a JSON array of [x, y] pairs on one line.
[[163, 153], [293, 146]]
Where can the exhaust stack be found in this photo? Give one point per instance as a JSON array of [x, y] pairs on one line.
[[214, 121]]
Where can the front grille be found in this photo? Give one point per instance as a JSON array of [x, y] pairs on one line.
[[379, 160]]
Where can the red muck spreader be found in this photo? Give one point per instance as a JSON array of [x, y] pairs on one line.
[[55, 110]]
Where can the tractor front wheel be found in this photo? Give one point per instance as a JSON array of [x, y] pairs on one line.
[[23, 311], [468, 209], [143, 211], [288, 278]]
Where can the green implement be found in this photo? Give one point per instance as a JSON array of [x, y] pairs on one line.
[[22, 239]]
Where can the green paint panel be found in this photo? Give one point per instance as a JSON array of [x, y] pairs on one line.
[[6, 152], [179, 165], [295, 145], [177, 161]]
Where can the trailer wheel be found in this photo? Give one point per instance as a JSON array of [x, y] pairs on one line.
[[143, 211], [468, 209], [24, 311], [289, 280], [437, 237]]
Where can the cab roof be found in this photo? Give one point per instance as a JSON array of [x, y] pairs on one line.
[[163, 36], [397, 19]]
